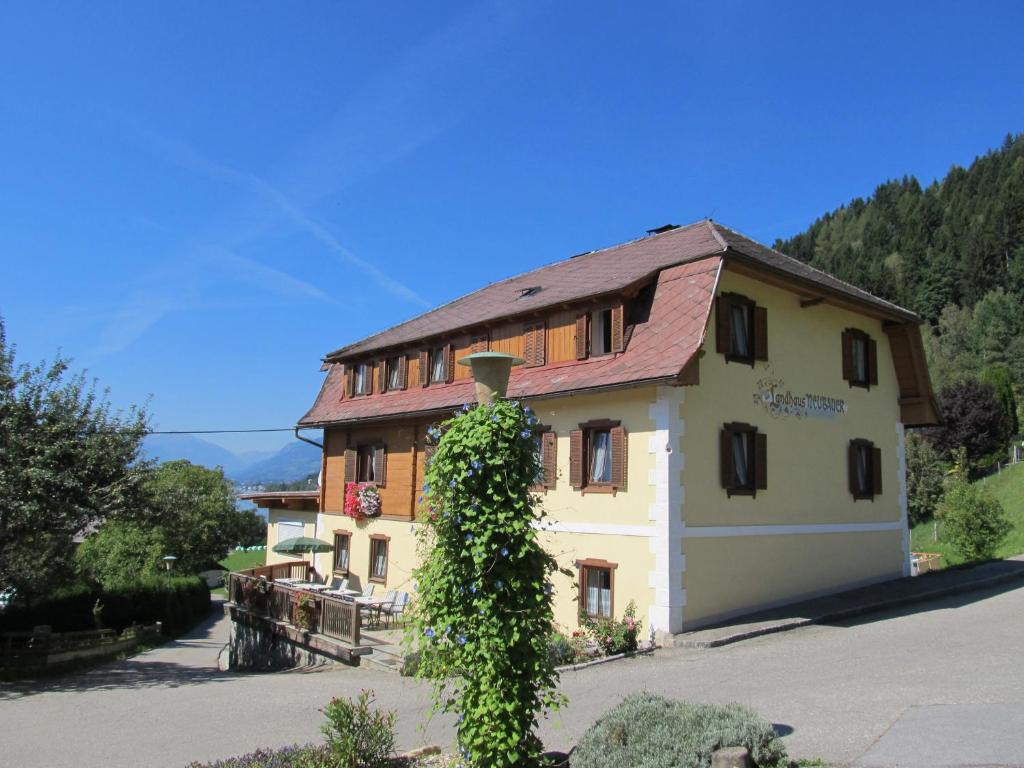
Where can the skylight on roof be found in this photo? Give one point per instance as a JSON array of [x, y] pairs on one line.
[[531, 291]]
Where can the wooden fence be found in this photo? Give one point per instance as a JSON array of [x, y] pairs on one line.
[[40, 647], [256, 591]]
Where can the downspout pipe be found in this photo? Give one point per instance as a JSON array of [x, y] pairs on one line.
[[306, 439]]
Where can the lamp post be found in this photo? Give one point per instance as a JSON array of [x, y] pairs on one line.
[[169, 563], [491, 371]]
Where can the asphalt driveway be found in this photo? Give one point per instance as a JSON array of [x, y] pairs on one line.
[[927, 685]]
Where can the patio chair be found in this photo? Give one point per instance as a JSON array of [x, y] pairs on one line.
[[368, 590], [375, 610], [338, 584], [396, 609]]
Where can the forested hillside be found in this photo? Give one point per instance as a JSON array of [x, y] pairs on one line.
[[952, 252]]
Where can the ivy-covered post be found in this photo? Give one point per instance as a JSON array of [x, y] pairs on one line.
[[483, 612]]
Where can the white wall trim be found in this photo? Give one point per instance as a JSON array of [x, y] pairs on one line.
[[723, 531], [901, 460], [665, 614], [598, 529]]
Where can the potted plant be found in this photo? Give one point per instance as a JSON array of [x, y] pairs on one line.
[[306, 613], [369, 500], [256, 594]]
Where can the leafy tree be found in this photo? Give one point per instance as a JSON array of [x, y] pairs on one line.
[[972, 418], [998, 377], [926, 472], [250, 528], [67, 461], [195, 512], [973, 521], [121, 552], [483, 612]]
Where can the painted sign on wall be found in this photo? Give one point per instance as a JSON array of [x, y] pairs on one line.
[[774, 397]]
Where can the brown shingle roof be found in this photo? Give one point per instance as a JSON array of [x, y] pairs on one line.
[[657, 352], [606, 271]]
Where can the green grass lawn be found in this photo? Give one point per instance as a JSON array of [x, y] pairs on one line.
[[240, 561], [1008, 487]]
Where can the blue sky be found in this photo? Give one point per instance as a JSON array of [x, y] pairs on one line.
[[201, 199]]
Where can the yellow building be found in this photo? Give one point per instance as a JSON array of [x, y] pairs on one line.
[[722, 427]]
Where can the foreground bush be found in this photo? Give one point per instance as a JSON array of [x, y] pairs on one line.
[[178, 603], [614, 637], [358, 736], [973, 521], [289, 757], [647, 731]]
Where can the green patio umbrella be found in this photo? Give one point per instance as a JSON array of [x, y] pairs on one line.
[[302, 544]]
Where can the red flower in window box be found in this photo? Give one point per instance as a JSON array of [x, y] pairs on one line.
[[361, 500]]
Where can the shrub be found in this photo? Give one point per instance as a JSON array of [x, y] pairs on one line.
[[647, 731], [926, 472], [483, 613], [357, 735], [177, 602], [973, 521], [288, 757], [561, 650], [612, 636]]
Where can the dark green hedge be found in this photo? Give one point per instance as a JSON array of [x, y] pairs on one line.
[[179, 603]]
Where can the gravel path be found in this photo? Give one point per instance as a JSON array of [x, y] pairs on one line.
[[837, 690]]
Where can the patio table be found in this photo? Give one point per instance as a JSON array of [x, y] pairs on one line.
[[373, 605]]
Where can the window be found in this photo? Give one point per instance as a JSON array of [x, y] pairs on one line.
[[366, 464], [364, 379], [479, 343], [288, 529], [395, 373], [741, 329], [601, 332], [860, 358], [597, 456], [546, 444], [342, 545], [744, 460], [596, 584], [865, 469], [439, 365], [378, 558]]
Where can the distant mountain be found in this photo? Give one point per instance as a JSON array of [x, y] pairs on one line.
[[173, 447], [294, 461]]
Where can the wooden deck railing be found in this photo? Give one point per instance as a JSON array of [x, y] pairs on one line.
[[258, 592]]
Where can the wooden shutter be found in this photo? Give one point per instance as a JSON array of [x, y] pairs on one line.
[[851, 468], [382, 376], [351, 457], [618, 332], [618, 439], [723, 324], [876, 470], [581, 336], [760, 461], [872, 353], [479, 344], [760, 320], [449, 363], [728, 468], [380, 465], [349, 385], [403, 372], [576, 458], [549, 446], [534, 350], [424, 367], [847, 355]]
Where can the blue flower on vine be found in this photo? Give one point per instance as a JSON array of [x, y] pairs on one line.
[[426, 488], [460, 718], [499, 584], [458, 518], [461, 639], [547, 589], [429, 632], [469, 473], [472, 588], [526, 434], [504, 551], [452, 484], [465, 407], [475, 464], [494, 417], [469, 537]]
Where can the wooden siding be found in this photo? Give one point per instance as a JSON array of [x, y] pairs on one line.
[[561, 343], [508, 339], [463, 347], [401, 484]]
